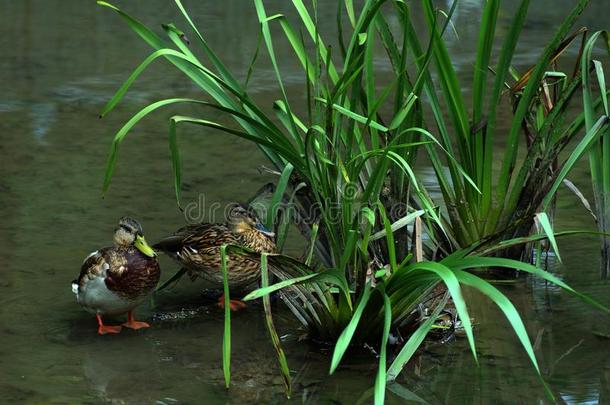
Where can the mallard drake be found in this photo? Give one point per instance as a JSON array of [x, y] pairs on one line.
[[197, 249], [114, 280]]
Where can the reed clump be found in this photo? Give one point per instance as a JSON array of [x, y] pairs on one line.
[[379, 243]]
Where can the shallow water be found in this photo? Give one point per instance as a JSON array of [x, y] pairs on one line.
[[61, 61]]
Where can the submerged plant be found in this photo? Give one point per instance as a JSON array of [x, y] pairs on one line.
[[379, 243]]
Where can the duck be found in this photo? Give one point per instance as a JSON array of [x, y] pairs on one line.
[[115, 280], [196, 248]]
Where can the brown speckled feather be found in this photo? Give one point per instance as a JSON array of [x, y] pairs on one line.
[[94, 266], [197, 247]]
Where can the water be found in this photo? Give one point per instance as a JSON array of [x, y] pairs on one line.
[[61, 60]]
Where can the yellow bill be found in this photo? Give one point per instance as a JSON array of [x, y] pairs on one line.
[[144, 247]]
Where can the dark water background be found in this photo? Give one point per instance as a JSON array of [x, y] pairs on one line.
[[60, 61]]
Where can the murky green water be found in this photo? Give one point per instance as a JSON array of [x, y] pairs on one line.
[[60, 61]]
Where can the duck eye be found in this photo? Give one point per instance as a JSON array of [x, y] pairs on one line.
[[125, 228]]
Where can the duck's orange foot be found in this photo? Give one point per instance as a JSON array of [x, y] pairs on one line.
[[234, 305], [133, 324], [106, 329]]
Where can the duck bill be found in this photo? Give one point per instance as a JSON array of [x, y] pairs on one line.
[[269, 234], [144, 247], [261, 228]]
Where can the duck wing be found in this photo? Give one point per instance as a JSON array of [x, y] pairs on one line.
[[94, 265], [197, 247], [196, 238]]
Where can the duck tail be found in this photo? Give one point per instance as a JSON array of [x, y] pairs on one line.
[[75, 287], [170, 245]]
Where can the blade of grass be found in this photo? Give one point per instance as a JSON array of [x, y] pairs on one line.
[[348, 333], [389, 235], [281, 357], [415, 340], [332, 276], [509, 311], [380, 381], [490, 262], [312, 243], [405, 394], [264, 21], [278, 196], [118, 138], [585, 143], [543, 220], [311, 28], [226, 340], [176, 160], [406, 220], [451, 281], [134, 75], [224, 72]]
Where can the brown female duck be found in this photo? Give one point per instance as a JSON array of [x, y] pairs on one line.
[[114, 280], [197, 249]]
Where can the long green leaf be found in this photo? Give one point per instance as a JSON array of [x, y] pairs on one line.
[[380, 381], [278, 196], [491, 262], [226, 339], [118, 138], [311, 28], [134, 75], [509, 311], [176, 160], [585, 143], [415, 340], [451, 281], [224, 72], [264, 21], [348, 333], [545, 223], [281, 357], [398, 224], [332, 276]]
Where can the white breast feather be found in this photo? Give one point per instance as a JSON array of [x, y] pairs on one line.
[[95, 296]]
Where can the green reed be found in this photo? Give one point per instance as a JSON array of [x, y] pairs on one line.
[[599, 153]]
